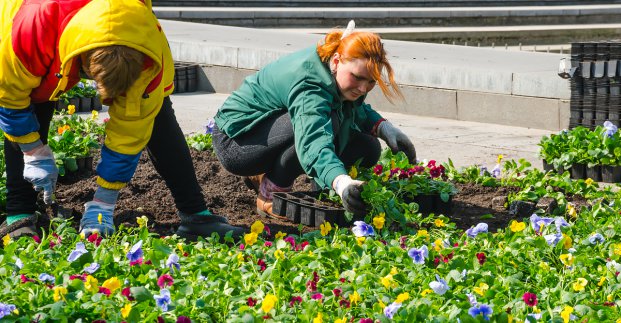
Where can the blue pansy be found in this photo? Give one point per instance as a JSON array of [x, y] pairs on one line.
[[76, 253], [553, 239], [135, 253], [362, 229], [163, 299], [173, 261], [610, 128], [92, 268], [479, 228], [538, 223], [47, 278], [209, 126], [496, 171], [596, 238], [6, 309], [392, 309], [419, 255], [439, 286], [482, 309]]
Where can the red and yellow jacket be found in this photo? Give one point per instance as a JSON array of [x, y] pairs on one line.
[[40, 45]]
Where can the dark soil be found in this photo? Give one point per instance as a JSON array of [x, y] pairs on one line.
[[226, 195]]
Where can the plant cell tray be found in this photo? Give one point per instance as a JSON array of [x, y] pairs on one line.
[[305, 208]]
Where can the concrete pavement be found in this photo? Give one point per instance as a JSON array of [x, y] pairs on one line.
[[464, 142]]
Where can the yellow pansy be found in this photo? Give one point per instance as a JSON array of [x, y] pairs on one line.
[[381, 304], [343, 320], [318, 318], [571, 211], [567, 259], [425, 292], [240, 258], [566, 313], [94, 114], [71, 109], [280, 235], [378, 222], [91, 284], [438, 245], [544, 266], [112, 284], [353, 172], [402, 297], [517, 226], [126, 309], [386, 177], [588, 181], [62, 129], [257, 227], [499, 159], [610, 297], [99, 218], [386, 280], [616, 249], [393, 271], [250, 238], [567, 241], [601, 281], [360, 240], [6, 240], [59, 293], [180, 247], [481, 289], [422, 233], [268, 303], [439, 223], [279, 254], [142, 221], [354, 297], [325, 228], [579, 284], [618, 321], [393, 165]]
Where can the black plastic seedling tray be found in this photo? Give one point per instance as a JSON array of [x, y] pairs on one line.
[[305, 208]]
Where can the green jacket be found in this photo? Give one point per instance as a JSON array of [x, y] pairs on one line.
[[302, 85]]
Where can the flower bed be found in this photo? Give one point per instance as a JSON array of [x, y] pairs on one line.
[[557, 266]]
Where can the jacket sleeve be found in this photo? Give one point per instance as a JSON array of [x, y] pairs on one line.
[[126, 137], [17, 118], [366, 118], [310, 110]]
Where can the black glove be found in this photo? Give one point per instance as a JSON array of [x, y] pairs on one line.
[[349, 190], [396, 140]]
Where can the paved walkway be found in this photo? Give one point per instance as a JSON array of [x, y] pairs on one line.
[[465, 143]]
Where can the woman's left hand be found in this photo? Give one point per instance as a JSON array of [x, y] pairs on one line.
[[396, 140]]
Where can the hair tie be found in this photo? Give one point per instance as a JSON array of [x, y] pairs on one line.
[[350, 29]]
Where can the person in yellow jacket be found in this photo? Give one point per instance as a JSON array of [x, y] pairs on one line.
[[44, 46]]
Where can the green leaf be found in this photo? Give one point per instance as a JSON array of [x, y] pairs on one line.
[[141, 294]]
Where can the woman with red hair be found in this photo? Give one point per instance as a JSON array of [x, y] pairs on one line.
[[305, 113]]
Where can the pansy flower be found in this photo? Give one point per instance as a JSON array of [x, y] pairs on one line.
[[92, 268], [76, 253], [596, 238], [481, 309], [538, 223], [163, 299], [6, 309], [419, 255], [479, 228], [47, 278], [392, 309], [530, 299], [173, 262], [135, 253], [361, 229], [439, 286], [165, 280]]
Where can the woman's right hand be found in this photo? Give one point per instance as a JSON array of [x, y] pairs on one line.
[[349, 190]]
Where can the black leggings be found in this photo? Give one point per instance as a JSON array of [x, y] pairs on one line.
[[269, 148], [167, 149]]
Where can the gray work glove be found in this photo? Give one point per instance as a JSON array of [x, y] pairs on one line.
[[40, 168], [349, 190], [396, 140]]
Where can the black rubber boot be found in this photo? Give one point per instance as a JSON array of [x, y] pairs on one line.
[[194, 226], [20, 228]]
